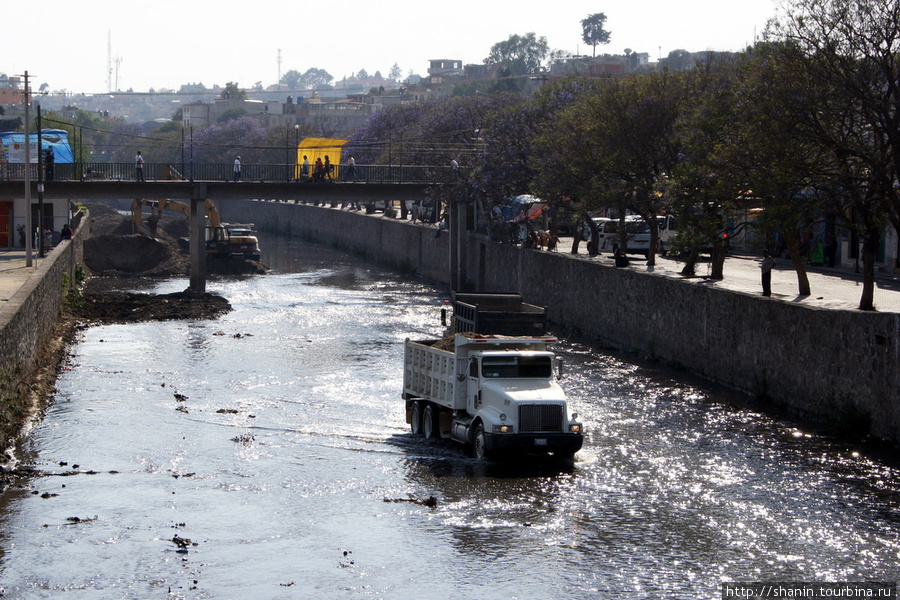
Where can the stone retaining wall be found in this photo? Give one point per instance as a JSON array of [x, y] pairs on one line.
[[837, 366], [406, 247], [27, 319]]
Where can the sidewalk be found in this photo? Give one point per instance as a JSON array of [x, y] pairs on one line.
[[831, 287], [13, 272]]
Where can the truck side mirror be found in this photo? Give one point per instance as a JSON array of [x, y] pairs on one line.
[[559, 367]]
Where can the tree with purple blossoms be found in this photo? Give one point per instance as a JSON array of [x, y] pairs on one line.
[[220, 143]]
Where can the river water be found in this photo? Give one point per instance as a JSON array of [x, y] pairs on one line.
[[273, 439]]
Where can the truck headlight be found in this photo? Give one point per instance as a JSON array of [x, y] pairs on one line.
[[503, 429], [575, 428]]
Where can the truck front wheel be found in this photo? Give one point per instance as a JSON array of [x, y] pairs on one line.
[[479, 446], [415, 419]]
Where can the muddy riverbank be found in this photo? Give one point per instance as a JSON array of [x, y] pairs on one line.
[[104, 299]]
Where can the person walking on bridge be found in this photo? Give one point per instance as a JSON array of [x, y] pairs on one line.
[[49, 159], [237, 169], [139, 166]]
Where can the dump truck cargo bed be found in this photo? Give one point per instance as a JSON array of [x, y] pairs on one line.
[[504, 314]]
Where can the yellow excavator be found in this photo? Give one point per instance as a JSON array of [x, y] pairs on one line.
[[222, 239]]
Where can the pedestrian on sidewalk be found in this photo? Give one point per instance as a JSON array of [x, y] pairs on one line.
[[766, 266]]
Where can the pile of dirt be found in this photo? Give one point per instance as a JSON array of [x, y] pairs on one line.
[[120, 258], [129, 307], [115, 249], [134, 254], [162, 250]]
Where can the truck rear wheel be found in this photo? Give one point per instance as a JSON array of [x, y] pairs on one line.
[[415, 419], [430, 422]]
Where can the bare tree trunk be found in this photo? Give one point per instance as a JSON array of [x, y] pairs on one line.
[[576, 239], [867, 301], [654, 242], [717, 261], [793, 245]]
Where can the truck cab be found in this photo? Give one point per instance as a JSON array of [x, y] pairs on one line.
[[518, 405]]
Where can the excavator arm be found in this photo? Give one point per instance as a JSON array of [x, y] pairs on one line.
[[220, 240], [212, 213]]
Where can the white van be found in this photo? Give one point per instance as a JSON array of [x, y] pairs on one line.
[[637, 232], [607, 230]]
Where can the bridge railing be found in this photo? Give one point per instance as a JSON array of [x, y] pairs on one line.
[[109, 171]]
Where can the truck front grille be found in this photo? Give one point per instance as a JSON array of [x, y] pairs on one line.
[[540, 417]]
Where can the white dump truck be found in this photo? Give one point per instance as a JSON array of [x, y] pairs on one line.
[[496, 394]]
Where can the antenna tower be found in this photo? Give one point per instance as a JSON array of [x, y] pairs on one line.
[[109, 81], [279, 66], [118, 62]]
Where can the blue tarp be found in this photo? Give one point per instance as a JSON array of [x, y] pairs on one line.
[[515, 207], [58, 139]]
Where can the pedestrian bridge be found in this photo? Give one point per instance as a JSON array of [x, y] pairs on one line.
[[91, 181], [85, 172]]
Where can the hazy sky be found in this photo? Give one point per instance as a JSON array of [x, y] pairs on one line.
[[167, 43]]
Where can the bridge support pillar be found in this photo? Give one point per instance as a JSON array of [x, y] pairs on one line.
[[198, 240]]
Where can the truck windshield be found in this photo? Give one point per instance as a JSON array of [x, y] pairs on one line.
[[516, 366]]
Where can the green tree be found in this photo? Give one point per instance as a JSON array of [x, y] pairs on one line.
[[395, 73], [593, 31], [522, 55], [679, 60], [614, 146], [233, 92], [315, 79], [849, 103], [787, 173], [705, 190], [292, 79]]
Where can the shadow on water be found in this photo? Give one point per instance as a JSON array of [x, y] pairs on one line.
[[445, 458]]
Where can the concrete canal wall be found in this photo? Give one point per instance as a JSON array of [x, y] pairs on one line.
[[836, 366]]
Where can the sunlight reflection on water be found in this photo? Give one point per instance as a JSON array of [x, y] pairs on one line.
[[275, 440]]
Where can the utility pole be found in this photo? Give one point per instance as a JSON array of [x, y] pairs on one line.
[[28, 232], [40, 186]]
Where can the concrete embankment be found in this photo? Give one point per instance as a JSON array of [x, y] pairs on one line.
[[27, 322], [835, 366]]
